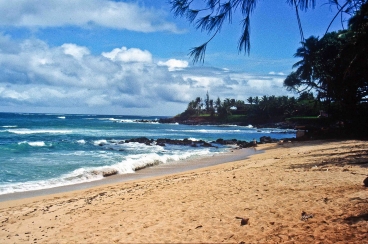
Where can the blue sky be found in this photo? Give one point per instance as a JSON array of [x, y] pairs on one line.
[[130, 57]]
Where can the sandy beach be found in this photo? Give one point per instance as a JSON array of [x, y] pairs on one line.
[[295, 192]]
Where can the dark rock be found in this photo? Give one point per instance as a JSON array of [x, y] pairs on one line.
[[220, 141], [206, 144], [265, 139], [243, 221], [365, 182]]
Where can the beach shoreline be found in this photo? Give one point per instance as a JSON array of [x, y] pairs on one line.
[[174, 167], [298, 192]]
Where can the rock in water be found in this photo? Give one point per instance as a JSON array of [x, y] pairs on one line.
[[109, 172], [365, 182]]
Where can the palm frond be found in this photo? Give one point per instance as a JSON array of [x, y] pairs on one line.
[[179, 7], [191, 14], [248, 6], [244, 41], [212, 3], [226, 9], [198, 53], [304, 4], [215, 22], [203, 22], [298, 64]]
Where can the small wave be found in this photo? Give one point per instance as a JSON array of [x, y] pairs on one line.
[[34, 143], [28, 131], [100, 142], [126, 120], [130, 164], [9, 126], [81, 141], [61, 117], [110, 119], [212, 131], [77, 176]]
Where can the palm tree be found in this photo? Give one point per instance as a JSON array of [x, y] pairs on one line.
[[308, 52], [250, 100], [198, 105], [256, 100]]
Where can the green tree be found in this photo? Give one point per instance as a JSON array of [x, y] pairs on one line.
[[256, 100], [336, 69], [218, 104], [250, 100], [207, 102]]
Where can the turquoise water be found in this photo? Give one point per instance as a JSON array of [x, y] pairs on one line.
[[40, 151]]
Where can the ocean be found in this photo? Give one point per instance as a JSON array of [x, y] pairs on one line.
[[43, 151]]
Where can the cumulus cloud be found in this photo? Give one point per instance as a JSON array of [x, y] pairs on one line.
[[174, 64], [129, 55], [34, 74], [74, 50], [104, 13]]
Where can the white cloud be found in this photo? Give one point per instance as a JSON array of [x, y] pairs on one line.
[[274, 73], [129, 55], [174, 64], [74, 50], [105, 13], [70, 78]]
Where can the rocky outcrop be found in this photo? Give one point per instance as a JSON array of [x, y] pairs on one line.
[[192, 143]]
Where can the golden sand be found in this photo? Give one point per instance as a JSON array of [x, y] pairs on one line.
[[297, 192]]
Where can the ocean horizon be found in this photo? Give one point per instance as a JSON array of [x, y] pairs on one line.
[[43, 151]]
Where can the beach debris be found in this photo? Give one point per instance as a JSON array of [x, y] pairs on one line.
[[199, 226], [243, 221], [306, 216], [365, 182]]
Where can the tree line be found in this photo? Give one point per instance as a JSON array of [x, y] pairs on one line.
[[257, 109]]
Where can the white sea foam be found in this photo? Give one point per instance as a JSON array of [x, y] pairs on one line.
[[100, 142], [127, 165], [135, 162], [9, 126], [126, 120], [28, 131], [193, 139], [33, 143], [81, 141], [77, 176], [61, 117], [211, 131], [37, 144]]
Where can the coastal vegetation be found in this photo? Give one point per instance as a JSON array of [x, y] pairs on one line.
[[335, 68], [330, 78], [255, 110]]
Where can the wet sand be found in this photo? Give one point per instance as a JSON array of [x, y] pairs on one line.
[[299, 192]]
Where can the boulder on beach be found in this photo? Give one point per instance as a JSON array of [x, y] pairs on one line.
[[365, 182]]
